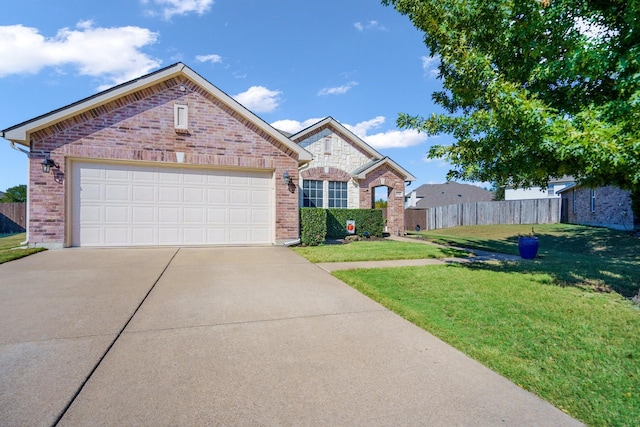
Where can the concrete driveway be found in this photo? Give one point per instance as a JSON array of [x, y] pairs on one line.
[[226, 336]]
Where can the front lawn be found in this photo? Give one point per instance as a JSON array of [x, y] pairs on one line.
[[375, 251], [572, 255], [551, 325], [8, 242], [577, 349]]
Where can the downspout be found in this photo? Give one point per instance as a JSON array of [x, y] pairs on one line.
[[28, 154]]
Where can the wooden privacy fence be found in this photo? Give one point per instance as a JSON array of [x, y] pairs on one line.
[[13, 217], [535, 211]]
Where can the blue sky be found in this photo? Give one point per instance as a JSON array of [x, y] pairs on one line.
[[291, 62]]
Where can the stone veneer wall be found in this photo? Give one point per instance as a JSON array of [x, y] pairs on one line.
[[140, 127], [344, 158]]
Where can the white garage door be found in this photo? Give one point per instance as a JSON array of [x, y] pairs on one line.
[[134, 205]]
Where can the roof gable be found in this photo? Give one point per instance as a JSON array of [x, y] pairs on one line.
[[21, 132], [376, 159], [362, 172], [336, 126]]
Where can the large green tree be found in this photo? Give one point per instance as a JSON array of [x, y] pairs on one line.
[[17, 194], [534, 89]]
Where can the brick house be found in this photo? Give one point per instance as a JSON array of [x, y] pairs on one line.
[[345, 171], [603, 207], [165, 159]]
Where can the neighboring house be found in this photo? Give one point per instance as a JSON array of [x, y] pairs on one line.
[[555, 185], [449, 193], [168, 159], [603, 206], [1, 194], [345, 172]]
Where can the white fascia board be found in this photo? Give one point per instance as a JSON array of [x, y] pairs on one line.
[[394, 165]]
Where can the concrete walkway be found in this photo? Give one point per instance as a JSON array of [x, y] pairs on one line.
[[227, 336], [476, 255]]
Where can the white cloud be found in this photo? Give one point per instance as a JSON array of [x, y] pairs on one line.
[[170, 8], [112, 55], [213, 58], [393, 138], [340, 90], [430, 65], [259, 99], [294, 126], [369, 25]]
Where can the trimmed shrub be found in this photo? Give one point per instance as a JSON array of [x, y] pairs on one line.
[[367, 221], [313, 224]]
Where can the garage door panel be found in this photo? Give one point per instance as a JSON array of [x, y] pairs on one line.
[[238, 235], [169, 236], [169, 215], [258, 234], [217, 216], [115, 174], [115, 214], [130, 205], [239, 196], [144, 236], [117, 236], [194, 236], [194, 215], [117, 192], [92, 192], [143, 176], [169, 194], [91, 236], [259, 216], [238, 216], [194, 195], [143, 193], [217, 196], [143, 214], [260, 197], [89, 214]]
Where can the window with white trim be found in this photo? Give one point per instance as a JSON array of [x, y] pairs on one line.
[[593, 200], [180, 116], [312, 194], [337, 194], [574, 201]]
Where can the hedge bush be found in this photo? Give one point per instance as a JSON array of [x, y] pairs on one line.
[[367, 221], [313, 224]]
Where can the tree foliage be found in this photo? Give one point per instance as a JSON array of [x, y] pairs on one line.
[[534, 89], [17, 194]]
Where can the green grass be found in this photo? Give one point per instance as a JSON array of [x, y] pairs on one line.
[[8, 242], [572, 255], [551, 325], [375, 251], [577, 349]]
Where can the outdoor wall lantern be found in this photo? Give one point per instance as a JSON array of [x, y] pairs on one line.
[[47, 164], [286, 177]]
